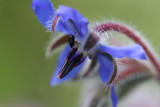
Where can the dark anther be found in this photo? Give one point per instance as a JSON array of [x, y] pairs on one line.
[[71, 53], [69, 65], [71, 41]]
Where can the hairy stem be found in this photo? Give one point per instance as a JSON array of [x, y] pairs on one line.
[[133, 36]]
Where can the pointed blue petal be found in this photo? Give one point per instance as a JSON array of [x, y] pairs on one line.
[[114, 97], [55, 80], [106, 67], [133, 51], [72, 22], [44, 11]]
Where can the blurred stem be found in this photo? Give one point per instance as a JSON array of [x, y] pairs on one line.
[[133, 36]]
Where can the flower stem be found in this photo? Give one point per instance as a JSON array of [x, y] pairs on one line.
[[133, 36]]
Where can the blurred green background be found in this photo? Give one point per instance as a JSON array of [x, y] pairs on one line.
[[24, 70]]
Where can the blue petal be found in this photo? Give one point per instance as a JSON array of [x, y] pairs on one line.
[[44, 11], [72, 22], [55, 80], [114, 97], [106, 67], [133, 51]]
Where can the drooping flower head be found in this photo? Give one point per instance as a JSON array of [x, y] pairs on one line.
[[83, 44]]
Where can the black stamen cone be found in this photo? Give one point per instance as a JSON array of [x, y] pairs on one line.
[[69, 65], [71, 53], [71, 41]]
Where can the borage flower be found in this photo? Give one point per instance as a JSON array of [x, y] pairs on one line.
[[84, 44]]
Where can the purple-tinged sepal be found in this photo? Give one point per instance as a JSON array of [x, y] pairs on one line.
[[56, 43]]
